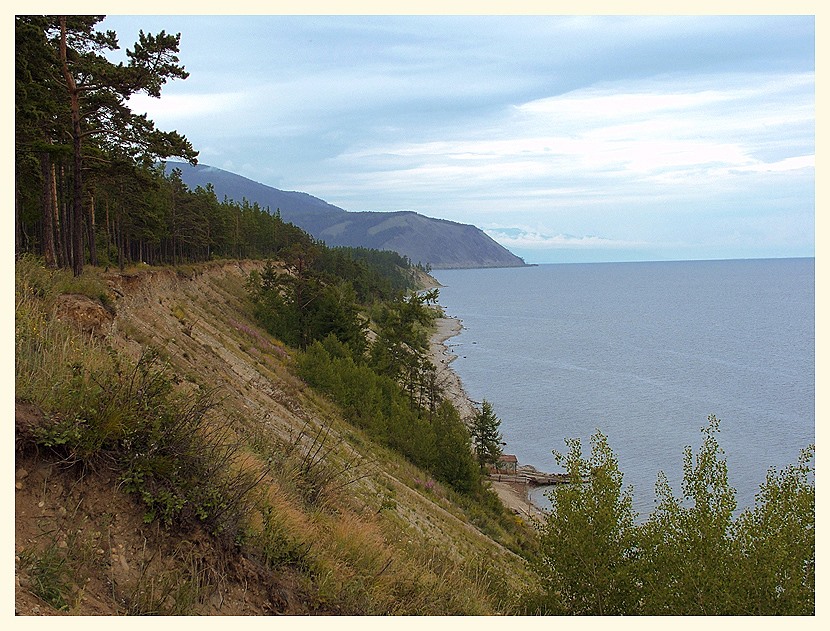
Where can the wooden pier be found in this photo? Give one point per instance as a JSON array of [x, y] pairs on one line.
[[526, 474]]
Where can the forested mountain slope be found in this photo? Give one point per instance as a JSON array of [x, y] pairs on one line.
[[435, 242]]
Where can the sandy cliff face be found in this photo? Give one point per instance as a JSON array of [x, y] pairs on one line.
[[195, 319]]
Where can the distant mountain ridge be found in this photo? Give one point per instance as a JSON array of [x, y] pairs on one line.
[[440, 243]]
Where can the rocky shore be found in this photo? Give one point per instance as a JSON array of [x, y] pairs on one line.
[[442, 358], [513, 494]]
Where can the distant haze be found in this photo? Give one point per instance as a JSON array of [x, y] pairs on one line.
[[566, 138]]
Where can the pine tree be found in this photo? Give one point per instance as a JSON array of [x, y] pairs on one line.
[[96, 92], [487, 439]]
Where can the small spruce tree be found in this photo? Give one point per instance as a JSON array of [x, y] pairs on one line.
[[487, 439]]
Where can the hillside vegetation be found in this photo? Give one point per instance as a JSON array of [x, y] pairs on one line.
[[436, 243], [169, 461], [216, 413], [169, 457]]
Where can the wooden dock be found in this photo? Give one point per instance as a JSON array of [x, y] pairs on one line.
[[529, 475]]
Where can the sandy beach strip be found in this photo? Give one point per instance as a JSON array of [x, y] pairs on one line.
[[442, 357], [512, 495]]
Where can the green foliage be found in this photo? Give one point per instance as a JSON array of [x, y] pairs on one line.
[[179, 467], [687, 543], [166, 451], [777, 540], [50, 574], [487, 439], [401, 347], [49, 355], [299, 307], [587, 538], [74, 102], [703, 561], [374, 274], [180, 584], [692, 556], [33, 280], [318, 466], [57, 565], [376, 403], [392, 393], [90, 187], [453, 464], [275, 545]]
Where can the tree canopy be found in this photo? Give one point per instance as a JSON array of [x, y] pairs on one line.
[[73, 125], [487, 440], [692, 556]]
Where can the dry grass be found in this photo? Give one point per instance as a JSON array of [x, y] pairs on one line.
[[49, 353], [337, 524]]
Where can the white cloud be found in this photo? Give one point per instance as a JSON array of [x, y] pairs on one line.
[[788, 164], [178, 108], [534, 240], [622, 147], [614, 130], [602, 104]]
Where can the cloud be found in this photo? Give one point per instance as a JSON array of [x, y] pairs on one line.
[[636, 128], [525, 239], [795, 163], [180, 108], [626, 130]]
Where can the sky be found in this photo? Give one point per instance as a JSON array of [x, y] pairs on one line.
[[566, 138]]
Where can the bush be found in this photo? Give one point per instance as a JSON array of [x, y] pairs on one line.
[[437, 441], [104, 411], [178, 463], [49, 354], [692, 556]]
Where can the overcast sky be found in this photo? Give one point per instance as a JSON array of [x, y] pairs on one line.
[[565, 138]]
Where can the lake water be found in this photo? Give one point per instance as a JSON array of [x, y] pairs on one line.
[[643, 352]]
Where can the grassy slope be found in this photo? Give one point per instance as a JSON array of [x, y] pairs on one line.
[[336, 524]]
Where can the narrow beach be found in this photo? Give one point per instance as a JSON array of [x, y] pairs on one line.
[[442, 358], [514, 496]]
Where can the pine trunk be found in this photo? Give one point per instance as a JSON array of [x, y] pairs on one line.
[[77, 164], [47, 212], [90, 231]]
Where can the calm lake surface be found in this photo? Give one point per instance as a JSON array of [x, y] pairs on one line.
[[643, 352]]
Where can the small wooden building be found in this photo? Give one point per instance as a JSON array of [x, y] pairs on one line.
[[507, 464]]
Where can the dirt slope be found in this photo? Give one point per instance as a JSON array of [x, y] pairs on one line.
[[193, 318], [183, 315]]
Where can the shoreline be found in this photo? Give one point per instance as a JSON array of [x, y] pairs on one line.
[[442, 357], [515, 496]]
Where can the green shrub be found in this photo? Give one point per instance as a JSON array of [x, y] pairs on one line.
[[103, 410], [692, 556], [49, 354]]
